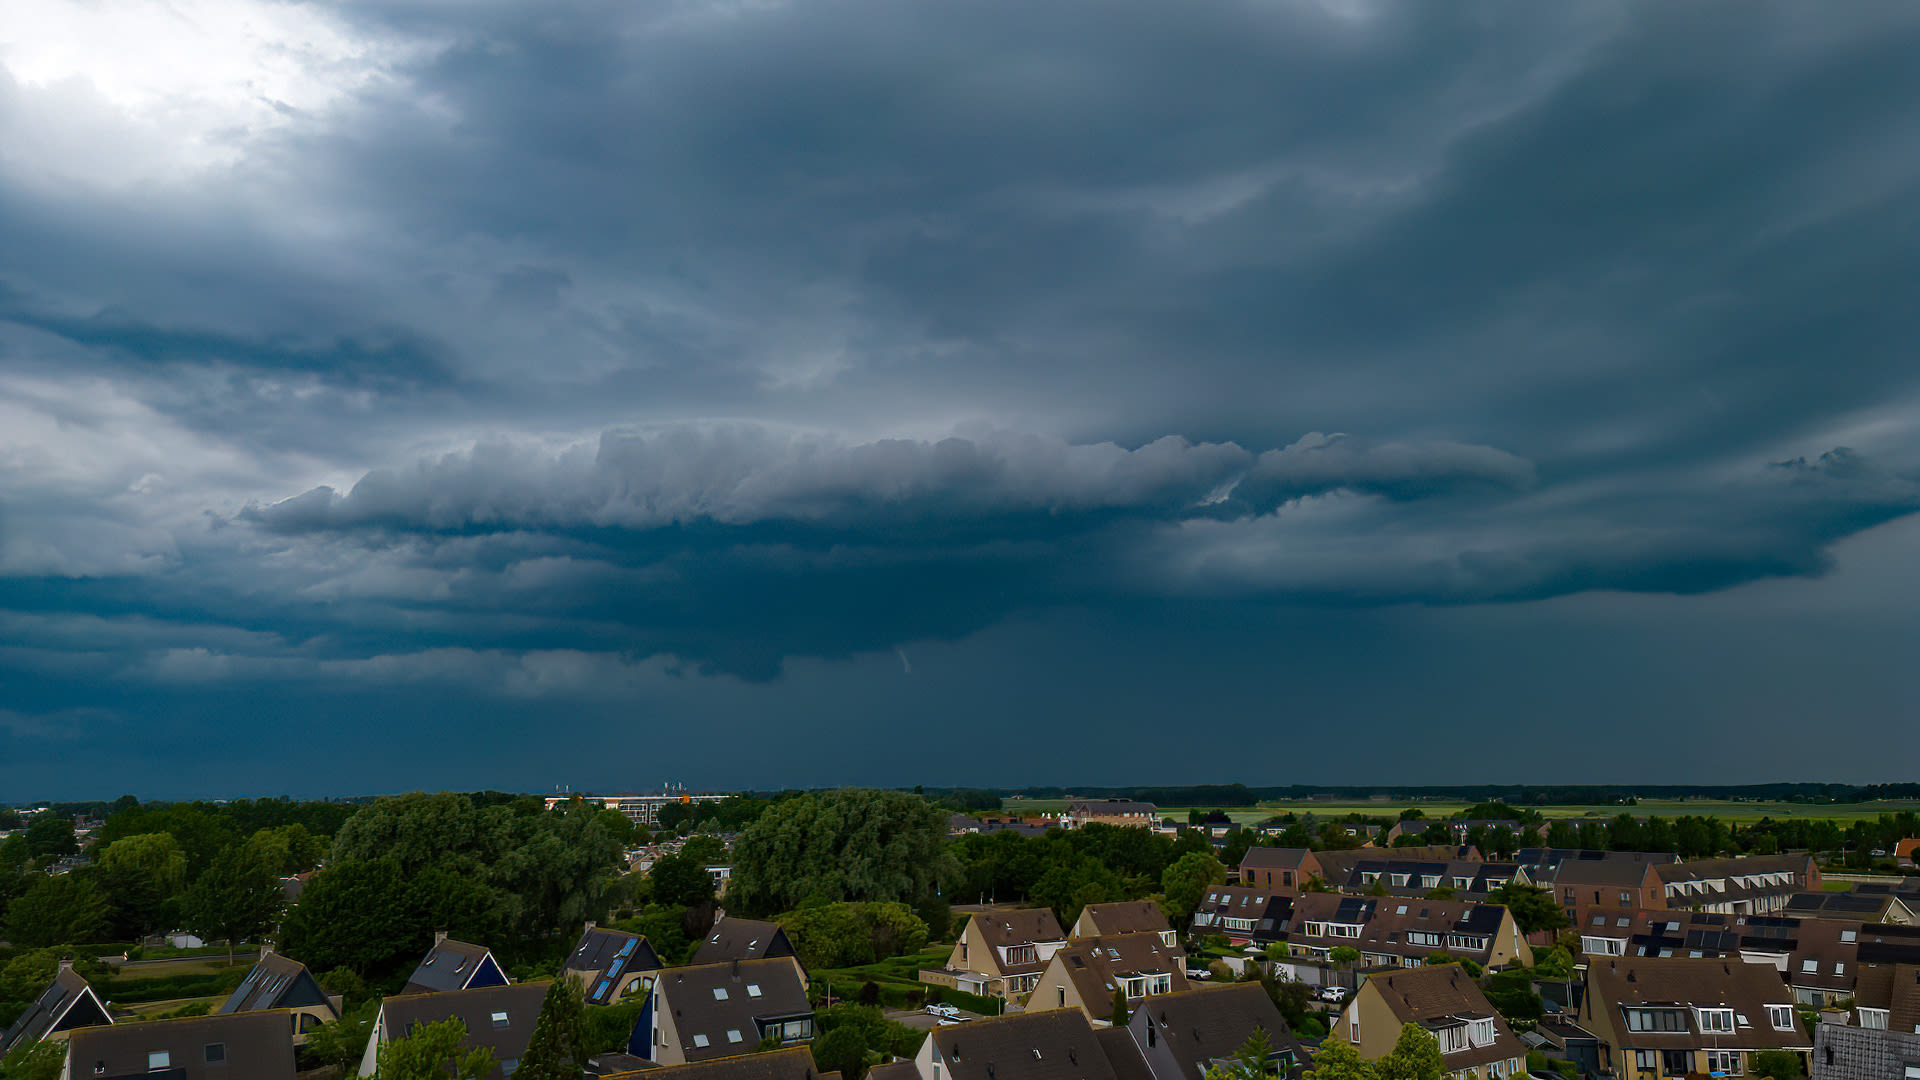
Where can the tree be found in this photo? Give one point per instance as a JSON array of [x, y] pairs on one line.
[[851, 844], [1249, 1062], [342, 1042], [842, 1050], [1339, 1060], [51, 836], [558, 1049], [238, 898], [42, 1060], [1533, 907], [1344, 955], [354, 915], [1415, 1056], [57, 911], [1776, 1064], [1118, 1015], [1185, 883], [681, 880], [848, 935], [429, 1050], [141, 875]]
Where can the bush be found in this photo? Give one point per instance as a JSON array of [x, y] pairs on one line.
[[851, 934]]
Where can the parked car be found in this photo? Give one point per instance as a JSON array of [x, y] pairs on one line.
[[1198, 973], [1335, 994], [944, 1012]]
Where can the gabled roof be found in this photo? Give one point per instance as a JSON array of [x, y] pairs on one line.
[[267, 985], [1127, 917], [1058, 1044], [1677, 982], [1096, 964], [1203, 1025], [68, 1001], [256, 1045], [1274, 858], [454, 965], [742, 939], [1442, 995], [793, 1063], [500, 1018], [726, 1003], [1122, 1054], [1895, 988], [608, 955], [1018, 926], [1385, 921]]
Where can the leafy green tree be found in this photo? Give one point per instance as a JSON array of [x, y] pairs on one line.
[[341, 1043], [142, 876], [1344, 955], [681, 880], [291, 849], [428, 1053], [354, 915], [56, 911], [51, 836], [1249, 1062], [851, 844], [1415, 1056], [558, 1049], [1532, 906], [842, 1050], [1339, 1060], [848, 935], [42, 1060], [156, 855], [1118, 1014], [1185, 883], [1776, 1065], [237, 899]]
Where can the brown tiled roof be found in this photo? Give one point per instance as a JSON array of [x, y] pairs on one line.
[[1745, 988], [1058, 1044], [1274, 858], [793, 1063], [1019, 926], [1385, 922], [902, 1069], [1208, 1023], [1128, 917], [1122, 1053], [1094, 964], [1895, 988], [256, 1045], [1436, 996]]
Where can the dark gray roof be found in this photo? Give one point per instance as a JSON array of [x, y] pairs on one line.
[[1058, 1044], [793, 1063], [712, 999], [1117, 1043], [255, 1045], [454, 965], [608, 955], [271, 984], [500, 1018], [67, 1002], [742, 939], [1205, 1025]]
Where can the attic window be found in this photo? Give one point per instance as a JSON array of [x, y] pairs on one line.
[[499, 1019], [1036, 1053], [699, 1040], [216, 1053], [159, 1059], [753, 989], [719, 993], [733, 1035]]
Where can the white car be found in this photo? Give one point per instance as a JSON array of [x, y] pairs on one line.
[[1335, 994], [946, 1013]]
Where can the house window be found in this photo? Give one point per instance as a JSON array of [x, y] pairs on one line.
[[719, 993], [1715, 1020], [1063, 997], [162, 1059], [1810, 967], [1645, 1060], [733, 1035], [216, 1053], [1626, 898], [1847, 936], [1676, 1062], [499, 1020], [753, 990], [1724, 1061], [510, 1066], [1872, 1019], [1781, 1016], [699, 1040]]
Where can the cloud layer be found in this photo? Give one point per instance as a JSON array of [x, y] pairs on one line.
[[609, 358]]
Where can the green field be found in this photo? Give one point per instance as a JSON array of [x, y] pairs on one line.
[[1731, 812]]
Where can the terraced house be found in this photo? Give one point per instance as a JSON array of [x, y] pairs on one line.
[[1246, 914], [1085, 974], [1404, 932], [1751, 885], [1002, 952], [1672, 1017], [1444, 1000]]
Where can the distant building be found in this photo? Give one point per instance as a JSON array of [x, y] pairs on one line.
[[642, 808], [1110, 812]]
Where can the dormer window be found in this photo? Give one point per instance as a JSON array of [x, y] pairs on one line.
[[753, 990], [1781, 1017], [1714, 1020]]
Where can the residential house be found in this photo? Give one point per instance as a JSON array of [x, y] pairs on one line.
[[1817, 958], [610, 965], [1887, 983], [1676, 1016], [1058, 1044], [1281, 871], [718, 1010], [1180, 1035], [1904, 851], [793, 1063], [1125, 917], [1752, 885], [280, 982], [1850, 1053], [1246, 914], [743, 939], [1085, 974], [1339, 866], [1611, 881], [1001, 953], [67, 1003], [1873, 902], [1458, 829], [454, 965], [1444, 1000], [1403, 932], [500, 1018], [253, 1045], [1397, 875], [1110, 812]]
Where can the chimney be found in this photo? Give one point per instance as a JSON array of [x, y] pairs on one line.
[[66, 965], [439, 936], [266, 949], [590, 926]]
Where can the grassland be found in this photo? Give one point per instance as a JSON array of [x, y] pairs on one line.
[[1728, 811]]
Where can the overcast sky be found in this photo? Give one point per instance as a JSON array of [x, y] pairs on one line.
[[406, 394]]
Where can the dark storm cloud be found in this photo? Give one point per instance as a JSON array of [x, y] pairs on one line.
[[591, 352]]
